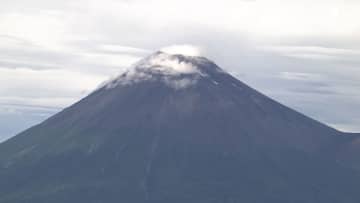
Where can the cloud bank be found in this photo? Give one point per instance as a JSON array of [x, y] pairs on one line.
[[304, 61]]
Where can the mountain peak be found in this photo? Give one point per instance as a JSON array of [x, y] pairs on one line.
[[175, 63], [170, 64], [175, 70], [215, 140]]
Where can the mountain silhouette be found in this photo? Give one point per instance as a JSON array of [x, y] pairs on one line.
[[178, 129]]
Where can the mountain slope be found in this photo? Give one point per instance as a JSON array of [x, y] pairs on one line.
[[177, 129]]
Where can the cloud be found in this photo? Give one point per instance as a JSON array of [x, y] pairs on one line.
[[116, 49], [168, 64], [50, 89], [186, 49], [316, 52], [300, 76]]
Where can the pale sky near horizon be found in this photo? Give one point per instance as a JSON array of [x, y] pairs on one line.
[[303, 53]]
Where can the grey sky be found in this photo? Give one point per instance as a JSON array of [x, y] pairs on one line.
[[304, 53]]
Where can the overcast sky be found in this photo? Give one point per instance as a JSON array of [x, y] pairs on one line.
[[304, 53]]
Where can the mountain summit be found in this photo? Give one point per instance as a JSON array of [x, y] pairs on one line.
[[177, 128], [176, 71]]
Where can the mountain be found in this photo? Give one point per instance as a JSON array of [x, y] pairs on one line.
[[178, 129]]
